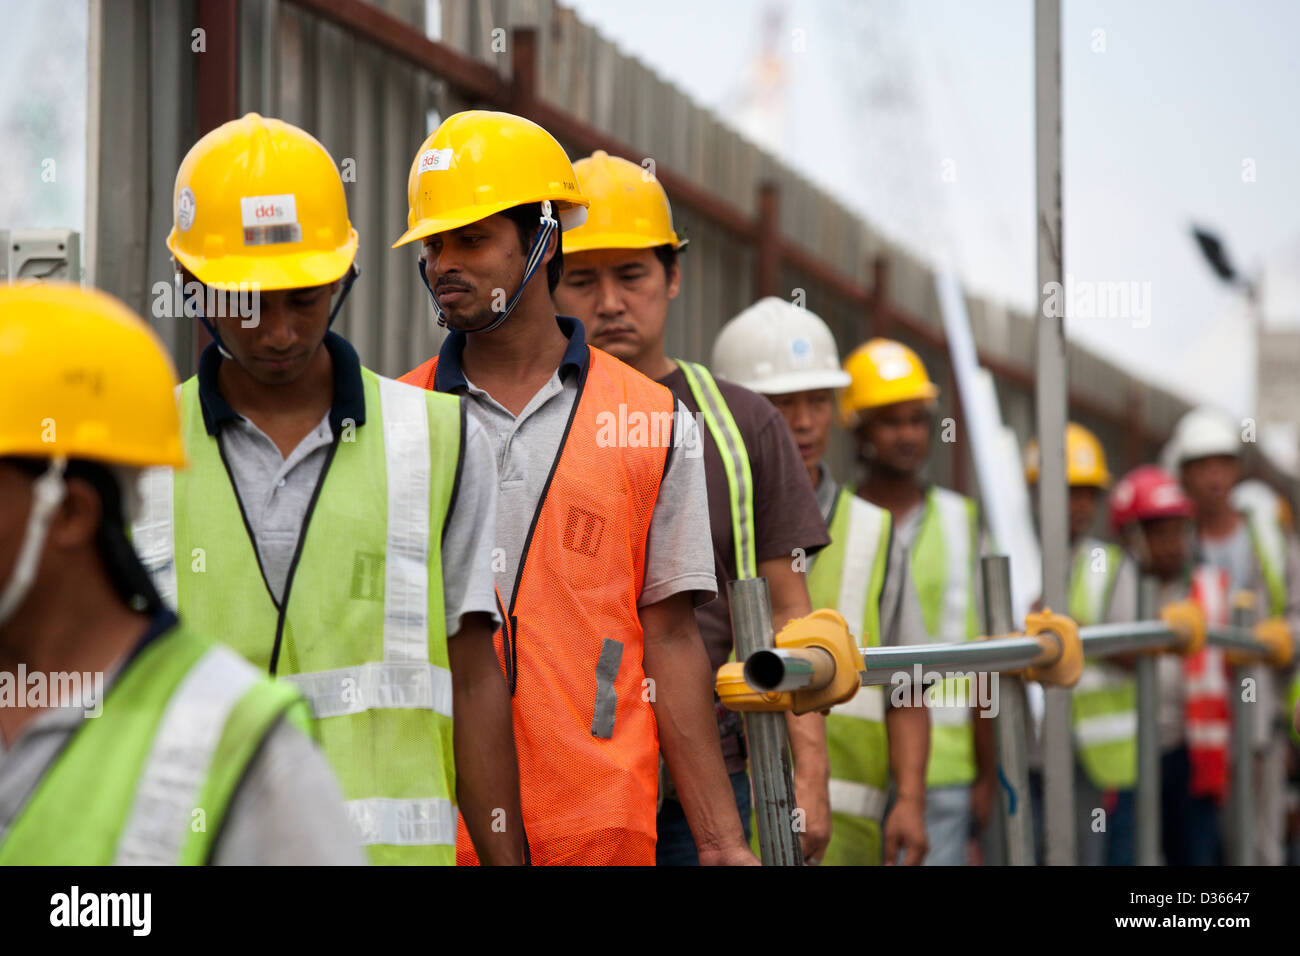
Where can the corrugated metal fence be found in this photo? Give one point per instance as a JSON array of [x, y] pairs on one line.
[[366, 80]]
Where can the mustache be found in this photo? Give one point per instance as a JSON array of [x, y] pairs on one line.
[[449, 285]]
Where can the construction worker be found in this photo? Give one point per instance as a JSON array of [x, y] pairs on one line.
[[334, 525], [1257, 553], [1153, 516], [603, 518], [788, 354], [889, 403], [1102, 589], [125, 736], [621, 270]]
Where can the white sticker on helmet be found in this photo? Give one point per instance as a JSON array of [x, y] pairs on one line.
[[269, 220], [185, 208], [434, 160]]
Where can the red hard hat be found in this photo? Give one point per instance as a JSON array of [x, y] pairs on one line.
[[1145, 493]]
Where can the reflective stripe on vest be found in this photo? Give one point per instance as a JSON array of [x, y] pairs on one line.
[[1269, 544], [178, 762], [943, 569], [1103, 705], [735, 462], [588, 787], [178, 730], [362, 632], [849, 575]]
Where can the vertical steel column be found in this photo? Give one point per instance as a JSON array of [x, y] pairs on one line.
[[1148, 736], [765, 733], [1050, 394], [1241, 800], [1012, 723]]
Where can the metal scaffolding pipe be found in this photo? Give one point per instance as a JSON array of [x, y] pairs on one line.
[[1237, 638], [880, 664], [1106, 640], [1241, 798], [765, 733], [781, 669], [1148, 739], [1012, 723]]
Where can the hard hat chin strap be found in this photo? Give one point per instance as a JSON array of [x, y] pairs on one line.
[[541, 241], [353, 273], [47, 495]]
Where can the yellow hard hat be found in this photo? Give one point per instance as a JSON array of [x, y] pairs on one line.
[[1085, 461], [479, 163], [82, 376], [629, 209], [883, 372], [259, 202]]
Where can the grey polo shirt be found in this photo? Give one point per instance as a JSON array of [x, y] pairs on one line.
[[287, 809], [275, 491], [679, 547]]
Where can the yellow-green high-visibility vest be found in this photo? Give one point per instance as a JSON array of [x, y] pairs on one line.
[[735, 462], [179, 727], [943, 568], [1268, 539], [849, 575], [361, 629], [1104, 703]]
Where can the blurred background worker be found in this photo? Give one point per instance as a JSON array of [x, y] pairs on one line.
[[788, 354], [889, 404], [621, 270], [1153, 517], [1259, 556], [153, 745], [330, 527], [1102, 590], [605, 535]]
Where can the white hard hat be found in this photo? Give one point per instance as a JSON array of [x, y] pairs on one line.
[[775, 348], [1200, 433]]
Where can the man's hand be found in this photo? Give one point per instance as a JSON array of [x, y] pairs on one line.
[[905, 830], [675, 659], [982, 793], [812, 796], [487, 771], [731, 856]]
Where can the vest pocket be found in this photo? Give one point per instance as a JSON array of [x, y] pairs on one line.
[[602, 720]]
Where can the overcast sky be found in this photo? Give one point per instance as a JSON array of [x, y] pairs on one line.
[[920, 115]]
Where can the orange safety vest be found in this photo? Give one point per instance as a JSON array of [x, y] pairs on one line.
[[572, 647]]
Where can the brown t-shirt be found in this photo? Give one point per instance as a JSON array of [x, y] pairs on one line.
[[786, 515]]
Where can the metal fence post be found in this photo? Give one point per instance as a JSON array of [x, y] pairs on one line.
[[1012, 724], [765, 733], [1148, 739], [1241, 799]]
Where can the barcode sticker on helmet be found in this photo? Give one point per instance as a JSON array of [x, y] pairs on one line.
[[435, 160], [269, 220]]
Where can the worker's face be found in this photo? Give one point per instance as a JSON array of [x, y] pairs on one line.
[[1084, 501], [1208, 482], [474, 270], [279, 344], [896, 437], [72, 530], [1168, 546], [809, 415], [621, 297], [15, 502]]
